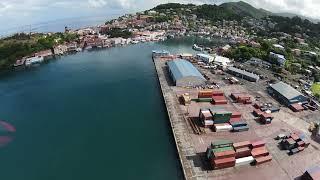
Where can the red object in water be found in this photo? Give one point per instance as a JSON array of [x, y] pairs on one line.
[[8, 126]]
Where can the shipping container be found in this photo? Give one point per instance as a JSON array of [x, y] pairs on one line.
[[238, 124], [204, 99], [243, 152], [258, 143], [222, 127], [244, 161], [241, 128], [217, 93], [222, 116], [205, 94], [236, 114], [234, 120], [261, 151], [223, 163], [241, 144], [221, 143], [263, 159], [224, 154], [220, 149]]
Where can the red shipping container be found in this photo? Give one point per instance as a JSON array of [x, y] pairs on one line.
[[221, 162], [243, 152], [256, 144], [220, 103], [263, 159], [224, 154], [233, 120], [241, 144], [217, 93], [227, 165], [218, 97], [236, 114], [261, 151], [300, 148]]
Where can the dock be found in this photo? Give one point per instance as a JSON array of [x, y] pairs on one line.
[[181, 132]]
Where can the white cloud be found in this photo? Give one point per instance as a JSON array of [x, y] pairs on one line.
[[21, 12], [97, 3]]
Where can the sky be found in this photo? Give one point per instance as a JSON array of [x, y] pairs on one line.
[[18, 13]]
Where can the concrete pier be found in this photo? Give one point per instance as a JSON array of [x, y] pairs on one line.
[[181, 132]]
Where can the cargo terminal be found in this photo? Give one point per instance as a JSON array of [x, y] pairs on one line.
[[235, 131]]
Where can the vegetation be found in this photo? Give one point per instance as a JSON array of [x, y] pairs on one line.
[[116, 32], [315, 88], [20, 45]]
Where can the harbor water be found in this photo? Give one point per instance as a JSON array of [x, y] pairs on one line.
[[91, 115]]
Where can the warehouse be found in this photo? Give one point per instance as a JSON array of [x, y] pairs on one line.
[[184, 74], [286, 94], [243, 74]]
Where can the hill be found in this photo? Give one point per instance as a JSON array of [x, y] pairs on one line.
[[244, 9]]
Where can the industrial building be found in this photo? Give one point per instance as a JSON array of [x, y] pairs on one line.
[[243, 74], [286, 94], [184, 74]]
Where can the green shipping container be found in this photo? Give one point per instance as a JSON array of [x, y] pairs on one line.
[[204, 99], [221, 143], [222, 117], [222, 149]]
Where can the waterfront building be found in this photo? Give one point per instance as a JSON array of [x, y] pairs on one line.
[[286, 94], [184, 74]]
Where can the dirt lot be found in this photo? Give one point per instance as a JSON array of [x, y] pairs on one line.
[[282, 166]]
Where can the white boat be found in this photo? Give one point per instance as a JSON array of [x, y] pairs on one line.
[[197, 48]]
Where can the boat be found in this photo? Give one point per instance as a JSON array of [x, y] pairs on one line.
[[197, 48]]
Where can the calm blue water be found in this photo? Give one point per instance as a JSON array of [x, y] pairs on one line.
[[93, 115]]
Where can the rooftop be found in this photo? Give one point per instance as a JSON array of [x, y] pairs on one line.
[[286, 90], [181, 68], [246, 73]]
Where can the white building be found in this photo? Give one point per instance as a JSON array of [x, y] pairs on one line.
[[221, 61], [205, 58], [34, 60]]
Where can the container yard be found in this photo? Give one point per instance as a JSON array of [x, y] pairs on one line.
[[236, 131]]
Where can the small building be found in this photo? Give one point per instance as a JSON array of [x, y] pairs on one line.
[[184, 74], [281, 60], [243, 74], [221, 61], [205, 58], [286, 94]]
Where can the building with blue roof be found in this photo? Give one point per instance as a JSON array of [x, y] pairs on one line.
[[184, 74]]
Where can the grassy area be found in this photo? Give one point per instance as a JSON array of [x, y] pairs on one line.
[[315, 88]]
